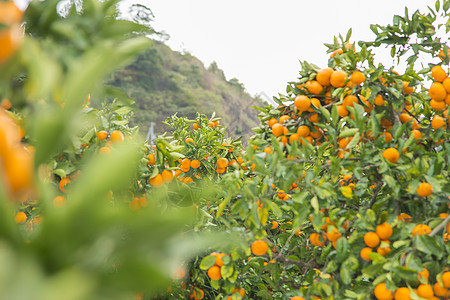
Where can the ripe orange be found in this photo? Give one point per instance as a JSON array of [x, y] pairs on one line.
[[156, 181], [438, 105], [272, 122], [405, 118], [277, 129], [222, 163], [259, 247], [334, 235], [364, 253], [10, 39], [195, 163], [214, 273], [406, 88], [371, 239], [446, 84], [59, 201], [439, 290], [151, 159], [378, 101], [6, 104], [336, 52], [104, 150], [64, 181], [167, 176], [349, 100], [294, 137], [384, 231], [189, 140], [357, 78], [342, 111], [241, 292], [101, 135], [117, 136], [421, 229], [314, 118], [195, 126], [402, 293], [383, 251], [382, 293], [446, 279], [391, 154], [424, 189], [323, 76], [437, 91], [315, 102], [387, 137], [283, 119], [302, 103], [425, 291], [20, 217], [438, 73], [404, 217], [314, 87], [297, 298], [338, 78], [442, 55], [417, 134], [274, 225], [437, 122]]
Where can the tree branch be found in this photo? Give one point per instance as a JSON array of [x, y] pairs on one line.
[[440, 226]]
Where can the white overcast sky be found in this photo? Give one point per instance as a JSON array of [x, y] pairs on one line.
[[260, 42]]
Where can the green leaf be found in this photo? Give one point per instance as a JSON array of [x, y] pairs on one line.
[[428, 245], [207, 262], [342, 249]]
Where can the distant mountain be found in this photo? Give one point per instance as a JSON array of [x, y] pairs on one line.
[[164, 82]]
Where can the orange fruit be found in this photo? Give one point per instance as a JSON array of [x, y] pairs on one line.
[[364, 253], [442, 55], [387, 137], [384, 231], [424, 189], [439, 290], [195, 126], [342, 111], [104, 150], [437, 122], [302, 103], [357, 78], [10, 41], [334, 235], [323, 76], [438, 73], [406, 88], [438, 105], [59, 201], [338, 78], [349, 100], [446, 279], [391, 154], [314, 87], [314, 118], [189, 140], [405, 118], [277, 129], [447, 101], [64, 181], [297, 298], [336, 52], [195, 163], [101, 135], [222, 163], [151, 159], [383, 251], [9, 13], [167, 176], [219, 261], [274, 225], [402, 293], [117, 136], [6, 104], [371, 239], [283, 119], [259, 247], [382, 293], [315, 102], [421, 229], [417, 134], [404, 217], [272, 122], [294, 137], [446, 84], [187, 180], [437, 91], [20, 217], [378, 101], [214, 273], [156, 181], [425, 291], [18, 167]]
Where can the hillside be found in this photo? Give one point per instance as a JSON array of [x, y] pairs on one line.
[[164, 82]]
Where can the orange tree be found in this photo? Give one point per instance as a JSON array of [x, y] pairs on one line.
[[348, 195]]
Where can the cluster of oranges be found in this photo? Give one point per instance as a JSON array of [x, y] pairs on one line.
[[11, 35], [115, 137], [214, 271], [424, 290], [330, 232], [379, 238]]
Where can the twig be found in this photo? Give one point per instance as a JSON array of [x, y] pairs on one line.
[[440, 226], [376, 190]]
